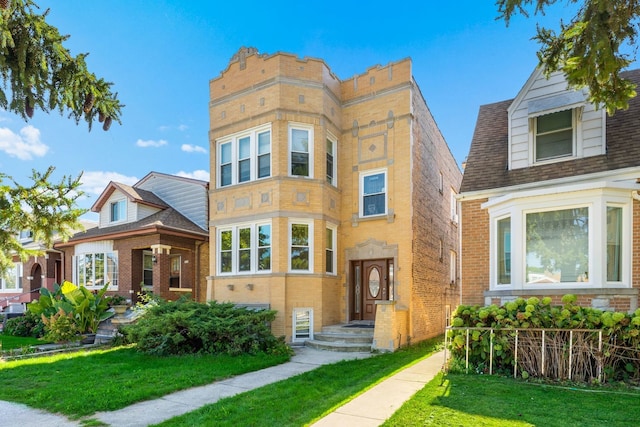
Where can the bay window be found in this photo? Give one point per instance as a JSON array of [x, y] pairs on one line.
[[244, 249], [568, 240], [93, 270], [245, 156]]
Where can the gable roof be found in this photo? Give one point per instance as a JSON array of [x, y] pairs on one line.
[[487, 162], [136, 195]]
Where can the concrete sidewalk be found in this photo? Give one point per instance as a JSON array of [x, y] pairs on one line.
[[369, 409]]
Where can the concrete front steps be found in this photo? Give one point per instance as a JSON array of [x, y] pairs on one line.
[[345, 338]]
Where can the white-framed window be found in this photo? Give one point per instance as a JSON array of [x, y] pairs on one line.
[[441, 183], [147, 268], [373, 193], [118, 210], [25, 236], [330, 249], [93, 270], [244, 156], [564, 241], [11, 279], [244, 248], [302, 324], [332, 161], [301, 150], [554, 135], [301, 246], [503, 256], [453, 267]]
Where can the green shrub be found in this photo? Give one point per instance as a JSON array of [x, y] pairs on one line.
[[185, 327], [60, 327], [27, 325], [620, 332]]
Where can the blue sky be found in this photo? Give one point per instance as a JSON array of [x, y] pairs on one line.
[[161, 54]]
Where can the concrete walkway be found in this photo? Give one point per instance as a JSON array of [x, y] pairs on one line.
[[368, 409]]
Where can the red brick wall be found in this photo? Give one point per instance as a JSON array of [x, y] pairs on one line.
[[475, 252]]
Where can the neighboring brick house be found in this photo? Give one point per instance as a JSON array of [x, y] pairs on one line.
[[21, 284], [549, 200], [331, 201], [152, 235]]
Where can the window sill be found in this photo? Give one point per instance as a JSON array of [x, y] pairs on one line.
[[181, 289], [562, 291]]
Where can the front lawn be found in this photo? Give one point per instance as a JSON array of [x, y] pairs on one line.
[[9, 342], [81, 383], [308, 396], [493, 401]]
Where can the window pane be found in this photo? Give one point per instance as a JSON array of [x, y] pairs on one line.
[[329, 238], [300, 140], [614, 244], [225, 262], [299, 234], [244, 170], [225, 240], [264, 259], [300, 164], [112, 269], [302, 320], [554, 121], [99, 270], [244, 251], [374, 205], [374, 183], [329, 251], [558, 246], [554, 135], [225, 175], [329, 168], [244, 148], [504, 251], [299, 258], [225, 153], [264, 235], [556, 144], [264, 247], [264, 143], [264, 165]]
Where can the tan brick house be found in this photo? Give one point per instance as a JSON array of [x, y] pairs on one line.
[[151, 235], [549, 200], [331, 201]]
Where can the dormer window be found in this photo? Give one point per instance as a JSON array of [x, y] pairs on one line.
[[118, 211], [554, 135]]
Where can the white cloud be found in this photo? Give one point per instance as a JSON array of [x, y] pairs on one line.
[[200, 174], [95, 182], [193, 148], [151, 143], [25, 145], [182, 128]]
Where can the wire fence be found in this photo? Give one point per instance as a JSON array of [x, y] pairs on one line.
[[583, 355]]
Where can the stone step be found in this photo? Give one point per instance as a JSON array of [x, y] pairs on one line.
[[346, 338], [338, 346]]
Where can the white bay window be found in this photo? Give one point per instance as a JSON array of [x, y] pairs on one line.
[[243, 157], [563, 241], [244, 249]]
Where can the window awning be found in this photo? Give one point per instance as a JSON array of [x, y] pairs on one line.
[[553, 104]]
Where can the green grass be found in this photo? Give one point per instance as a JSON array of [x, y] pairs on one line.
[[492, 401], [8, 342], [81, 383], [305, 397]]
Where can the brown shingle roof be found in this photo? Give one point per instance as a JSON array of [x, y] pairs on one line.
[[487, 161], [168, 219]]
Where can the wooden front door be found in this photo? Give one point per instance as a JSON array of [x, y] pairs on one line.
[[370, 283]]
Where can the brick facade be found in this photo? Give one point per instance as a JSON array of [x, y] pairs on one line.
[[381, 124]]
